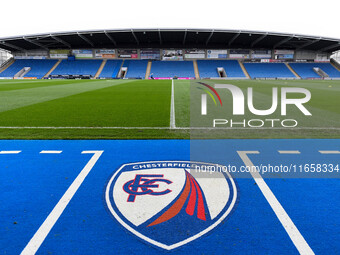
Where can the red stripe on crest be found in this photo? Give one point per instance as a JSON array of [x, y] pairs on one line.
[[200, 203], [192, 199], [176, 207]]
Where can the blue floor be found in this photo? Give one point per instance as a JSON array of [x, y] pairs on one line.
[[31, 184]]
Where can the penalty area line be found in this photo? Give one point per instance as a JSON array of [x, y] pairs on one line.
[[294, 234], [39, 237]]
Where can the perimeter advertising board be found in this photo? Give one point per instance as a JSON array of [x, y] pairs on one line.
[[239, 54], [82, 53], [150, 54], [30, 57], [127, 53], [261, 54], [217, 53], [59, 53], [284, 54], [107, 53], [322, 57], [194, 54], [172, 55]]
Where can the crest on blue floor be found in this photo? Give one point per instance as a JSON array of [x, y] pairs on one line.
[[170, 203]]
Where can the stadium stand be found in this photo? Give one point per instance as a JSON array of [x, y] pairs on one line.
[[111, 69], [38, 67], [169, 69], [208, 68], [135, 68], [77, 67], [305, 70], [268, 70]]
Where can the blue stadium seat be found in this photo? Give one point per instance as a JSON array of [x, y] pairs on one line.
[[111, 69], [39, 67], [268, 70], [208, 68], [305, 70], [77, 67], [136, 68], [170, 69]]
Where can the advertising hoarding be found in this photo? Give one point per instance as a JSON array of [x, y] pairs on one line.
[[239, 54], [107, 53], [261, 54], [82, 53], [217, 53], [150, 54], [127, 53], [283, 54], [172, 55], [193, 54], [59, 53], [322, 57], [30, 57]]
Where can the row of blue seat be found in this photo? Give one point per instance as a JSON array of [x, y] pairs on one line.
[[38, 67], [111, 69], [305, 70], [135, 68], [208, 68], [280, 70], [77, 67], [268, 70], [166, 69]]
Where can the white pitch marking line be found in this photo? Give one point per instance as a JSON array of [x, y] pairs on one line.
[[329, 152], [38, 238], [50, 152], [289, 152], [294, 234], [172, 107], [10, 152], [182, 128]]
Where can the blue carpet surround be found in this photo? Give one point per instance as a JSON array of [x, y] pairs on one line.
[[35, 175]]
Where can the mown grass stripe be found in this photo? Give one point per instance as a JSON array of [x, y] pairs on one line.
[[14, 99]]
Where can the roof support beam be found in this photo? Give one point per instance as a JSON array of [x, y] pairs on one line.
[[160, 37], [259, 39], [308, 44], [12, 46], [185, 36], [234, 38], [61, 41], [110, 38], [330, 47], [211, 34], [283, 41], [135, 36], [36, 43], [85, 39]]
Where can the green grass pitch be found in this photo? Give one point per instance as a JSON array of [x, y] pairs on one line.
[[140, 109]]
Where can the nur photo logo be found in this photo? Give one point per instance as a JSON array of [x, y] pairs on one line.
[[244, 101]]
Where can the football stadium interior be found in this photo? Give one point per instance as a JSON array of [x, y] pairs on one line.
[[74, 71], [126, 142]]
